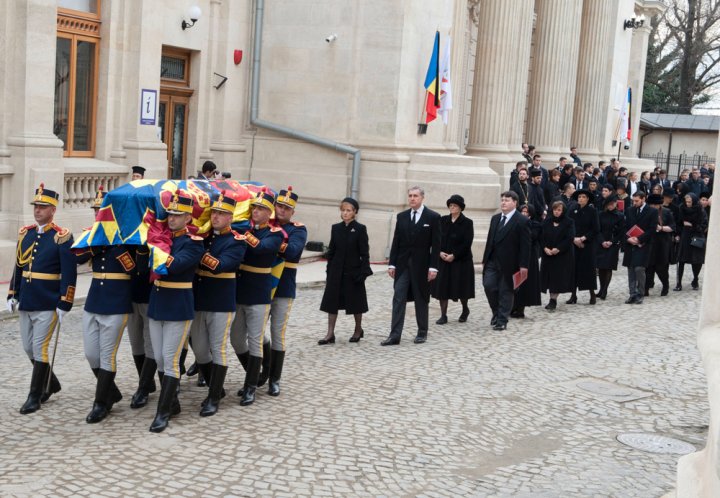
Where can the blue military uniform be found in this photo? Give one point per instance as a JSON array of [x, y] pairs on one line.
[[215, 284], [291, 251], [254, 282]]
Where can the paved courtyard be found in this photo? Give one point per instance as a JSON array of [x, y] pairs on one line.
[[472, 412]]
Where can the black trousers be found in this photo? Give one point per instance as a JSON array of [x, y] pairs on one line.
[[499, 292], [400, 291], [661, 270]]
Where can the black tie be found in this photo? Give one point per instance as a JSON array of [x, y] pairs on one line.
[[413, 217], [502, 221]]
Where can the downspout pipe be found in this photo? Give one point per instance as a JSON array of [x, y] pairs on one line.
[[290, 132]]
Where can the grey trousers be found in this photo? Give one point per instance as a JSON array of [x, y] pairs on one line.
[[279, 316], [36, 331], [636, 281], [168, 339], [247, 330], [399, 305], [210, 332], [101, 339], [139, 331]]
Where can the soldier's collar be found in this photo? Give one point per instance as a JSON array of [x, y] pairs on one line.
[[178, 233], [224, 231], [260, 227]]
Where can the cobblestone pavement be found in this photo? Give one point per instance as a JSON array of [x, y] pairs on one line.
[[472, 412]]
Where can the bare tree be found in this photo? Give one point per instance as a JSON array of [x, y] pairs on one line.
[[683, 63]]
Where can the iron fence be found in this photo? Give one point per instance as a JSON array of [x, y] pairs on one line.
[[673, 164]]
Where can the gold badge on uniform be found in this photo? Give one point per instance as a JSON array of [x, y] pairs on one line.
[[283, 246], [209, 261], [69, 296], [251, 240], [126, 261]]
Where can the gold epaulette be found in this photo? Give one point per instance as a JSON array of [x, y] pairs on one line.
[[275, 229], [62, 235], [25, 229], [238, 236], [298, 224], [195, 237]]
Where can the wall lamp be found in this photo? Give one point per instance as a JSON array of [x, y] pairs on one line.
[[194, 14], [634, 23]]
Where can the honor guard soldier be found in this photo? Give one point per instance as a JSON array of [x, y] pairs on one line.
[[43, 289], [215, 282], [106, 313], [290, 251], [172, 308], [254, 290]]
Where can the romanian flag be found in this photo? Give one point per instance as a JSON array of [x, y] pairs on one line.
[[432, 82], [626, 119], [134, 214]]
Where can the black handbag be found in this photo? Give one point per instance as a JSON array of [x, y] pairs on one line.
[[697, 241]]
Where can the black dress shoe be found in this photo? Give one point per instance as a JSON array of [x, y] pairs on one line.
[[551, 305], [390, 341], [572, 300], [193, 370], [647, 293], [694, 285], [664, 291], [442, 320], [322, 342], [517, 314], [493, 320], [678, 287], [638, 301], [355, 338], [420, 339], [464, 316], [630, 300], [500, 326]]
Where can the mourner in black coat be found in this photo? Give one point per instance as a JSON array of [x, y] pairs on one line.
[[413, 264], [536, 197], [557, 267], [661, 246], [528, 294], [693, 226], [347, 268], [456, 273], [587, 227], [637, 248], [507, 251], [612, 223]]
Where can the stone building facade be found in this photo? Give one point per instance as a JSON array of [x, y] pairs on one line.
[[89, 88]]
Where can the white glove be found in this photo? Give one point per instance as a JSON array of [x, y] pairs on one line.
[[12, 304], [60, 314]]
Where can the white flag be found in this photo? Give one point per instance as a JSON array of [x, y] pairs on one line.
[[445, 88]]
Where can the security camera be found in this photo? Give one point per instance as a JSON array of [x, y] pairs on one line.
[[331, 38]]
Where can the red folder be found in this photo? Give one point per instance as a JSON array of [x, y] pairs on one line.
[[621, 205], [518, 279], [635, 231]]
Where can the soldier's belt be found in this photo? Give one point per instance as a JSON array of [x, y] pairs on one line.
[[254, 269], [204, 273], [41, 276], [290, 265], [111, 276], [173, 285]]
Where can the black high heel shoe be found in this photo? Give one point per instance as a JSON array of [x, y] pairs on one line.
[[356, 338], [322, 342]]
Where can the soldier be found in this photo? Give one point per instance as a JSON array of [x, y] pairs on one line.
[[106, 314], [214, 288], [172, 308], [290, 251], [254, 288], [43, 288]]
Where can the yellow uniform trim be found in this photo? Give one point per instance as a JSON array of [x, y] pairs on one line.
[[176, 358], [290, 265], [204, 273], [113, 358], [254, 269], [223, 348], [285, 322], [48, 337], [41, 276], [111, 276], [173, 285]]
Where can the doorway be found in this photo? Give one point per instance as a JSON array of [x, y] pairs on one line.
[[174, 109]]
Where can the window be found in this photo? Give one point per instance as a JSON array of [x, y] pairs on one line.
[[76, 76]]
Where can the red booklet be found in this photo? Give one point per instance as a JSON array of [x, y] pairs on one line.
[[518, 279], [621, 205], [635, 231]]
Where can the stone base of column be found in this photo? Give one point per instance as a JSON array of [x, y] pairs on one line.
[[500, 159]]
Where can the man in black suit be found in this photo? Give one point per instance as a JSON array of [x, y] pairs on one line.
[[507, 251], [637, 248], [413, 264]]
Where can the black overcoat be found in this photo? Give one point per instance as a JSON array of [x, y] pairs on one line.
[[456, 280], [586, 225], [509, 246], [528, 294], [348, 265], [662, 244], [611, 229], [698, 218], [557, 273], [634, 256]]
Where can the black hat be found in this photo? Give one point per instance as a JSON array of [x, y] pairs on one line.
[[535, 172], [668, 192], [583, 191], [654, 199], [180, 203], [224, 203], [456, 199], [139, 170], [704, 195], [352, 202], [610, 198]]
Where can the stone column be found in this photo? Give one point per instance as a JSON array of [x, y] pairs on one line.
[[554, 74], [501, 68], [597, 39]]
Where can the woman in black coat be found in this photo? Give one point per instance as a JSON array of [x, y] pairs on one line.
[[456, 273], [558, 258], [528, 294], [609, 239], [347, 268], [694, 226], [587, 227]]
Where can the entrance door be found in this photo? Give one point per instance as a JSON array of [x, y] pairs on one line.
[[173, 120]]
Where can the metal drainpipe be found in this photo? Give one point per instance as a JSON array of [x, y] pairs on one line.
[[301, 135]]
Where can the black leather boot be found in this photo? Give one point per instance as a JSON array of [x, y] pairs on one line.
[[217, 379], [276, 366], [168, 392], [146, 384], [244, 358], [183, 355], [139, 360], [37, 386], [253, 372], [55, 386], [205, 372], [102, 404], [266, 359]]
